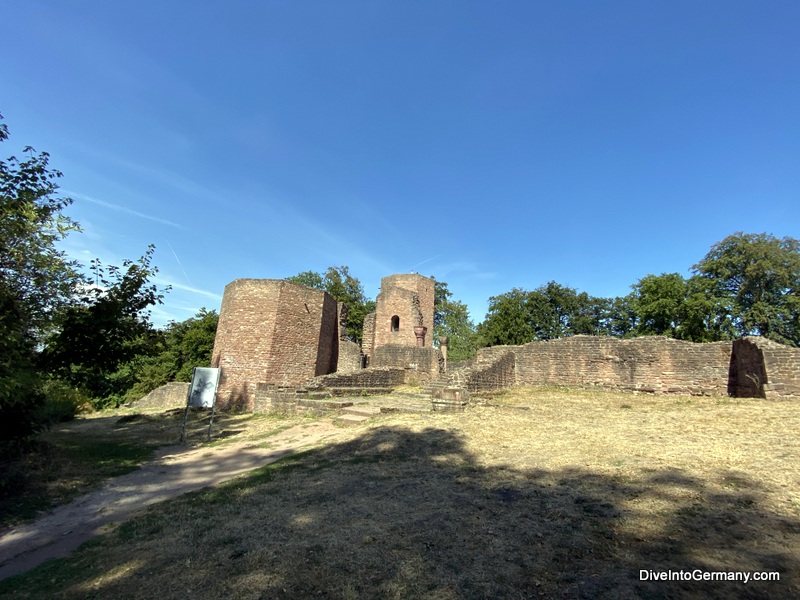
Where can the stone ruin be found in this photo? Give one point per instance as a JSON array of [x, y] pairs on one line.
[[281, 336], [277, 341]]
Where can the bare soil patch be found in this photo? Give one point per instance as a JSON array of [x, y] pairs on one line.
[[545, 493]]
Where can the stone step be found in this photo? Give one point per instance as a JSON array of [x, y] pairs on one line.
[[324, 404], [347, 420], [358, 391], [405, 408], [363, 410]]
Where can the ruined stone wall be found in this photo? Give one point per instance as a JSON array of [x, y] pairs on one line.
[[493, 375], [378, 377], [305, 337], [169, 395], [272, 331], [649, 364], [422, 363], [782, 364], [409, 297], [368, 336], [350, 358], [761, 368]]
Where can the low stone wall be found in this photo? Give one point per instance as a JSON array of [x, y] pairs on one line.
[[494, 375], [169, 395], [365, 379], [649, 364], [423, 363], [268, 398]]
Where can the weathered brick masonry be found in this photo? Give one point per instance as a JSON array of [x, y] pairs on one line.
[[422, 363], [280, 336], [377, 377], [274, 332], [751, 367], [650, 364], [761, 368], [404, 302]]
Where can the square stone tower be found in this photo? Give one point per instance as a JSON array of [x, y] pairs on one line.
[[404, 303]]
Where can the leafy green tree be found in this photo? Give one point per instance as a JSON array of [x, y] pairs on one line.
[[659, 301], [704, 316], [21, 394], [36, 279], [451, 318], [31, 223], [508, 320], [309, 279], [551, 311], [757, 278], [343, 287], [593, 316], [686, 309], [558, 311], [620, 318], [106, 329], [183, 346]]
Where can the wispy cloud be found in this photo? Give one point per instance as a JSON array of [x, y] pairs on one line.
[[427, 260], [187, 288], [178, 260], [122, 209]]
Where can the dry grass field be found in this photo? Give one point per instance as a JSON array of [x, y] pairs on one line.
[[533, 493]]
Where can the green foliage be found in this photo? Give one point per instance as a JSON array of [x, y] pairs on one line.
[[756, 278], [106, 329], [451, 318], [345, 288], [182, 346], [548, 312], [620, 316], [21, 394], [31, 223], [35, 280], [659, 303], [508, 321], [62, 402]]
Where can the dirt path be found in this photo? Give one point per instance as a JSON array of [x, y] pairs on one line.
[[174, 471]]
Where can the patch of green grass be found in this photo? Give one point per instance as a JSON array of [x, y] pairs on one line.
[[74, 458], [147, 524], [110, 457], [62, 469]]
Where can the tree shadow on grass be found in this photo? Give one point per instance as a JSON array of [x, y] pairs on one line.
[[397, 513]]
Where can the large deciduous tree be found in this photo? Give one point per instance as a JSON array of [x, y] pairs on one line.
[[508, 321], [106, 329], [451, 318], [36, 279], [756, 278], [31, 223], [345, 288], [182, 346], [548, 312]]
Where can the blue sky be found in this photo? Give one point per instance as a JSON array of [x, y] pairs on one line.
[[492, 145]]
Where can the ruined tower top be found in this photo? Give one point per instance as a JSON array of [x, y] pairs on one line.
[[404, 302]]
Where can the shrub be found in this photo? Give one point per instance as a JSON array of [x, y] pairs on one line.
[[62, 402]]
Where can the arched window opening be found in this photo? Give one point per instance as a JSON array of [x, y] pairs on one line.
[[395, 323]]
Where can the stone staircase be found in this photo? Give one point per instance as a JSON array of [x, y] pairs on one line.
[[356, 415], [450, 391]]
